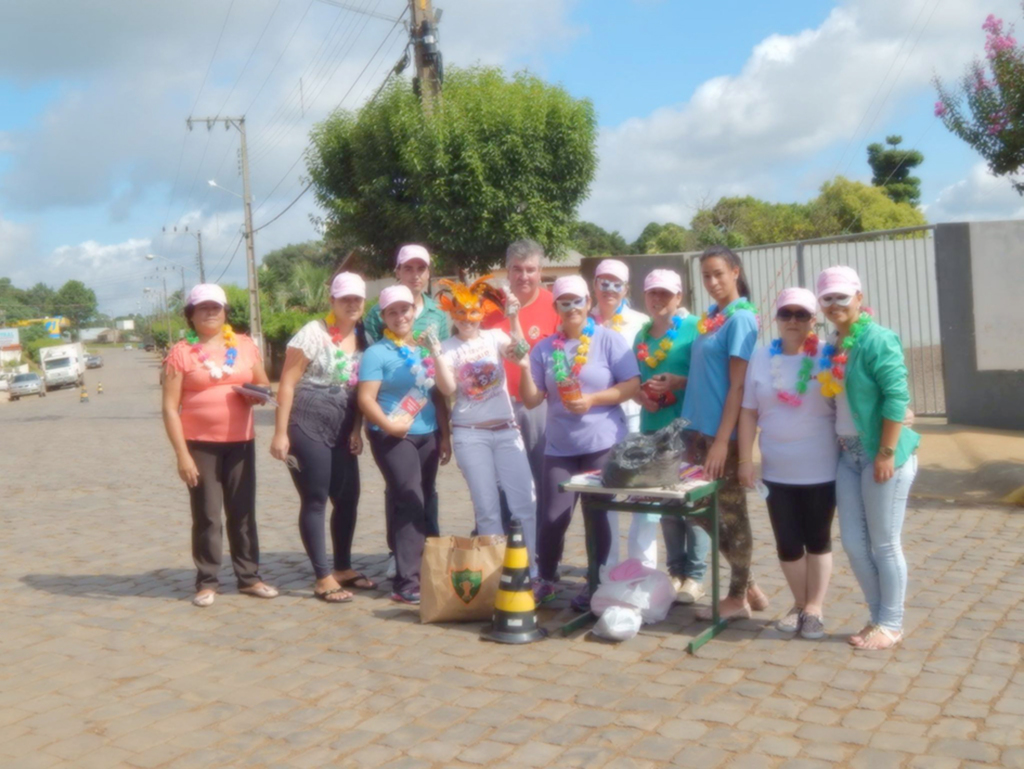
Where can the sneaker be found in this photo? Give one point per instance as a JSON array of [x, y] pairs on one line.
[[791, 623], [581, 602], [413, 599], [812, 627], [392, 570], [543, 591], [688, 590]]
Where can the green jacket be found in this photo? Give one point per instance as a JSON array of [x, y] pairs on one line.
[[876, 386], [432, 315]]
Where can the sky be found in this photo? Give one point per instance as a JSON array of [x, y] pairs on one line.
[[694, 101]]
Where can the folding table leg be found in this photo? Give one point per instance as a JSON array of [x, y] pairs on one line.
[[717, 623]]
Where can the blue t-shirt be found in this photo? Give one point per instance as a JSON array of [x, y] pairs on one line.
[[382, 363], [708, 385]]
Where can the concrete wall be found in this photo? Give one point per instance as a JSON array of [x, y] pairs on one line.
[[979, 275], [639, 266]]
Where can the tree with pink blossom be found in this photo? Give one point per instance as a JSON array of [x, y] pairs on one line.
[[986, 110]]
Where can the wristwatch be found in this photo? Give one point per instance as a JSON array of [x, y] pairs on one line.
[[886, 451]]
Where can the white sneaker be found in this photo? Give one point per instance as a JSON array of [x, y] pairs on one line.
[[391, 571], [688, 590]]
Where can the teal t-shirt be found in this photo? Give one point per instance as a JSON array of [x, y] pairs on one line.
[[678, 363], [382, 363]]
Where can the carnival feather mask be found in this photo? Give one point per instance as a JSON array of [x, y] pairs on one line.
[[470, 302]]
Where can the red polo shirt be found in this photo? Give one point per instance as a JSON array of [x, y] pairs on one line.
[[539, 321]]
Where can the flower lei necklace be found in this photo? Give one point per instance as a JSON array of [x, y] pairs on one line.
[[558, 362], [617, 320], [346, 368], [833, 361], [661, 352], [712, 320], [420, 365], [230, 354], [794, 397]]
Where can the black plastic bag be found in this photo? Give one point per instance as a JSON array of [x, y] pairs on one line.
[[647, 461]]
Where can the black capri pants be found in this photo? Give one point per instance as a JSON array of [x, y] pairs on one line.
[[801, 518]]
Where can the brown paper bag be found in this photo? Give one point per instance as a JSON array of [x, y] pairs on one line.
[[459, 578]]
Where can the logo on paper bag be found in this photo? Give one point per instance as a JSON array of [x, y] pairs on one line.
[[467, 583]]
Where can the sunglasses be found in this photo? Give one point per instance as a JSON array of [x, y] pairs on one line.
[[838, 299], [801, 315], [564, 305], [610, 285]]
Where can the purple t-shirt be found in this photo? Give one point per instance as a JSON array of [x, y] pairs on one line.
[[610, 362]]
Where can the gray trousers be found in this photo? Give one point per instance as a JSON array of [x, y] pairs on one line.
[[531, 424]]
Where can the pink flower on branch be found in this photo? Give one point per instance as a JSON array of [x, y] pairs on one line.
[[941, 109]]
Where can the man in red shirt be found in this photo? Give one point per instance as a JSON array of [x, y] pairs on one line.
[[539, 320]]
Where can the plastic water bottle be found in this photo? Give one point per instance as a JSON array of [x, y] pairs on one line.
[[412, 403]]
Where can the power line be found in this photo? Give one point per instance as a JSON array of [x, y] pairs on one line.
[[249, 59], [228, 265], [280, 56]]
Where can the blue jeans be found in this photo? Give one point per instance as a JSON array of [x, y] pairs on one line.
[[686, 548], [870, 523]]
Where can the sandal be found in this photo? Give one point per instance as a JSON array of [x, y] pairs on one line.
[[358, 582], [204, 598], [262, 590], [892, 637], [857, 638], [704, 614], [325, 595]]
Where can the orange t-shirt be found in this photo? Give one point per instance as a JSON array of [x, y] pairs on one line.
[[539, 321], [210, 409]]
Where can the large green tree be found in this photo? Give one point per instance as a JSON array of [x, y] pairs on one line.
[[986, 110], [892, 166], [497, 158], [75, 301], [846, 206], [668, 238], [591, 240]]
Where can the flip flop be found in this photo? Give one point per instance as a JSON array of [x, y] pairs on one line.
[[704, 614], [325, 595], [260, 591], [358, 582]]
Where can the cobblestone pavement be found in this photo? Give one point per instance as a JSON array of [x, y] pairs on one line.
[[104, 662]]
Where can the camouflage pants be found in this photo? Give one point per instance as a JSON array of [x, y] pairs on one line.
[[735, 540]]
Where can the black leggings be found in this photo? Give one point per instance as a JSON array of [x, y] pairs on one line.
[[409, 466], [801, 518], [325, 473]]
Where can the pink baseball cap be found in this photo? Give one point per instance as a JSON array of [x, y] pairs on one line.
[[797, 297], [613, 267], [348, 284], [666, 279], [570, 284], [838, 280], [206, 292], [410, 252], [393, 294]]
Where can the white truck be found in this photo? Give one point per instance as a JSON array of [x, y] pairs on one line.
[[63, 365]]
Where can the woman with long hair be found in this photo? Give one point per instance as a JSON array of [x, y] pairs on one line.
[[714, 394], [318, 434], [210, 426], [863, 368]]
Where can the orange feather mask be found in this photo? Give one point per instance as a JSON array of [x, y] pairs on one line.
[[471, 302]]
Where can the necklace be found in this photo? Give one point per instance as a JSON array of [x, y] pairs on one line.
[[558, 362], [714, 319], [833, 361], [661, 352], [617, 320], [346, 367], [415, 359], [803, 377], [230, 352]]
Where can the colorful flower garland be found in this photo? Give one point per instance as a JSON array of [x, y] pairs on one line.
[[346, 368], [833, 362], [618, 321], [642, 350], [420, 365], [230, 354], [713, 319], [558, 363], [794, 397]]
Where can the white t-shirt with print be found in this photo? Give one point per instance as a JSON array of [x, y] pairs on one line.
[[479, 370], [798, 443]]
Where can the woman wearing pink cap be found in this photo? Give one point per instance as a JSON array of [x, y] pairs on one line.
[[583, 372], [396, 395], [863, 369], [782, 397], [210, 427], [318, 433]]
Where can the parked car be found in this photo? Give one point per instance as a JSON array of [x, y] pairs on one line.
[[150, 347], [94, 361], [127, 347], [26, 384], [5, 382]]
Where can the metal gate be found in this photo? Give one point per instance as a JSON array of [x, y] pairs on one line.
[[897, 269]]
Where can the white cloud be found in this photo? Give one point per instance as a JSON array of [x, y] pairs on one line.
[[979, 197], [17, 243]]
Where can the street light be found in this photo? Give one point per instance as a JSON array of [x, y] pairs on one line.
[[213, 183]]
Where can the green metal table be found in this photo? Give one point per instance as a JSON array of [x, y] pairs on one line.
[[689, 500]]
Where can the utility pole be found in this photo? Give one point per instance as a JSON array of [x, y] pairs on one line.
[[167, 313], [255, 318], [429, 67], [202, 269]]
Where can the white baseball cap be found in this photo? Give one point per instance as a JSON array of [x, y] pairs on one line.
[[411, 252]]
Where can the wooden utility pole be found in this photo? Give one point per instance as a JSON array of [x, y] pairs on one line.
[[199, 257], [429, 69]]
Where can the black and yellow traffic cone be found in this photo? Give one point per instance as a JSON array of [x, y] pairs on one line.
[[515, 613], [84, 398], [99, 388]]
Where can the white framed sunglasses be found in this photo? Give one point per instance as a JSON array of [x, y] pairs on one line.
[[842, 300], [610, 285], [564, 305]]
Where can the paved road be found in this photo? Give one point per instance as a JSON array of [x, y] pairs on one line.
[[103, 661]]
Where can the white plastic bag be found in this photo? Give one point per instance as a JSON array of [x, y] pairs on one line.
[[618, 623], [633, 585]]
